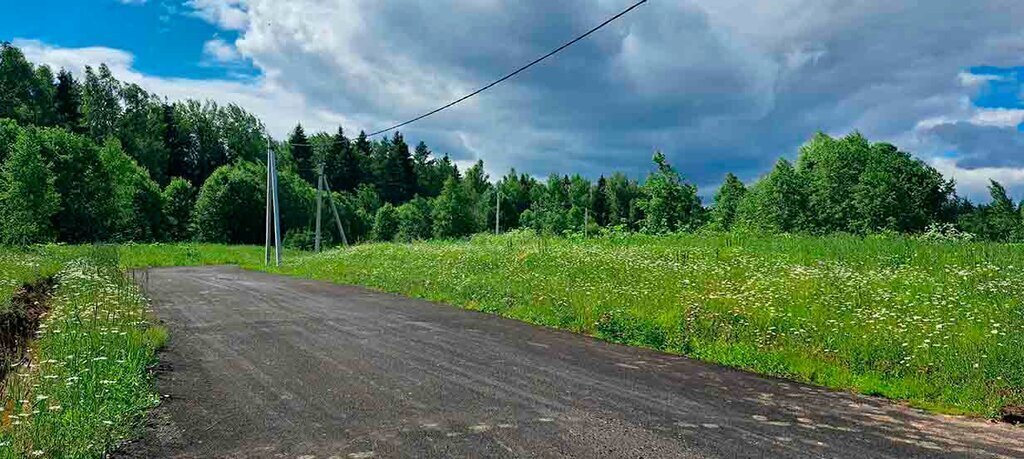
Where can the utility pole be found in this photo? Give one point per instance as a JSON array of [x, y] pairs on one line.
[[266, 247], [334, 210], [277, 208], [586, 211], [319, 205], [497, 213]]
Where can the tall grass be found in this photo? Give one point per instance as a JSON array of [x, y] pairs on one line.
[[22, 266], [931, 323], [85, 385]]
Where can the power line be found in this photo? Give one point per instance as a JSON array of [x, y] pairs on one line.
[[516, 72]]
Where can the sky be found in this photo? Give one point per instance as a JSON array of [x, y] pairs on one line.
[[718, 85]]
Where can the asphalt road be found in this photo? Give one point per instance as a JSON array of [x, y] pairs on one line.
[[268, 366]]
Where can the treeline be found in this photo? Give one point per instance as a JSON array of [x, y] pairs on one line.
[[103, 160]]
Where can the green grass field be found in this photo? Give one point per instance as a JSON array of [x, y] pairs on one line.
[[930, 323]]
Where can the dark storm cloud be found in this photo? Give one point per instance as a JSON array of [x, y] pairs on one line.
[[725, 85]]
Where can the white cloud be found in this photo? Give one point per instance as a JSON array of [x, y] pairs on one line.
[[974, 182], [278, 107], [974, 80], [228, 14], [220, 51]]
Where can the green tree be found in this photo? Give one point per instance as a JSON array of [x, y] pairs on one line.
[[727, 201], [17, 83], [896, 192], [302, 152], [179, 201], [385, 223], [9, 131], [101, 105], [68, 102], [89, 210], [242, 134], [44, 93], [398, 178], [414, 220], [177, 146], [343, 167], [599, 204], [671, 204], [231, 204], [451, 213], [141, 131], [138, 199], [623, 195], [777, 203], [28, 198], [1001, 220]]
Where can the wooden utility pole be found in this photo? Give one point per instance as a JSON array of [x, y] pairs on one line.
[[266, 247], [277, 208], [497, 213], [334, 210], [319, 205]]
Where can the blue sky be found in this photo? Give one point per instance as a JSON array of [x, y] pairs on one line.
[[719, 85], [165, 41]]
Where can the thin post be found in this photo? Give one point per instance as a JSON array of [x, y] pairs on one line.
[[266, 247], [334, 210], [319, 206], [586, 211], [277, 210], [497, 213]]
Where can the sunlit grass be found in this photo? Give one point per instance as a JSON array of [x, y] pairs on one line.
[[931, 323], [85, 385]]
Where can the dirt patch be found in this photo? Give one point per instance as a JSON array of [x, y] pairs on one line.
[[1012, 414], [20, 322]]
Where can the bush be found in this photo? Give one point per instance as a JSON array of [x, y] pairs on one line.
[[385, 223], [179, 199], [231, 207]]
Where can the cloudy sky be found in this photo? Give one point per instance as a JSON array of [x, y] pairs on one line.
[[719, 85]]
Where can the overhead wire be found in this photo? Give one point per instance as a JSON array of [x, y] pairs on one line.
[[504, 78]]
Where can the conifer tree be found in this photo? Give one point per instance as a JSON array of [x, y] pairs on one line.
[[68, 102], [302, 153]]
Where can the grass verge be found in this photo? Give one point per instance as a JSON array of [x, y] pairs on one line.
[[86, 385]]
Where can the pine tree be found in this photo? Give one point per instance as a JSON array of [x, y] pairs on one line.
[[302, 153], [68, 102], [28, 199], [727, 200], [178, 161], [599, 202], [345, 170], [362, 148], [398, 179]]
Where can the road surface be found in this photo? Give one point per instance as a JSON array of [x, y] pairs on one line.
[[268, 366]]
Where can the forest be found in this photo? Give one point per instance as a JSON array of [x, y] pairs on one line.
[[96, 159]]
